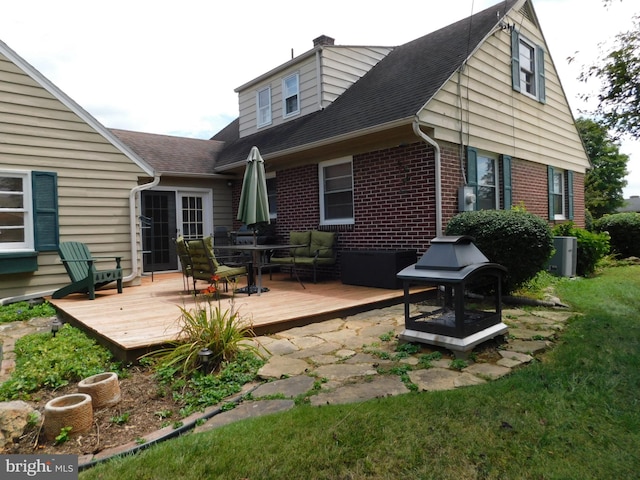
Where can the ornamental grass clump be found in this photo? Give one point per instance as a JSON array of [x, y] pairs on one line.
[[207, 326]]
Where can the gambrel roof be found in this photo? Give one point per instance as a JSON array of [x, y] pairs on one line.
[[390, 94]]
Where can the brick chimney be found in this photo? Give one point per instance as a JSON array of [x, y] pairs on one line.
[[323, 40]]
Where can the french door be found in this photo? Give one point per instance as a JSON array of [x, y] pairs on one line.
[[172, 213]]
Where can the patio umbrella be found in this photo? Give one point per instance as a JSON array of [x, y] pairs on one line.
[[254, 202], [253, 208]]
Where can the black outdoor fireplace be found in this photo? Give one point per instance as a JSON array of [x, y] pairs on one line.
[[457, 269]]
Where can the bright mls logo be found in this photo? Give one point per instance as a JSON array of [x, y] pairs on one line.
[[51, 467]]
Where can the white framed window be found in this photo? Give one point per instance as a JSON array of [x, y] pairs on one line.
[[16, 211], [263, 102], [556, 195], [488, 194], [336, 191], [527, 53], [290, 95], [527, 67]]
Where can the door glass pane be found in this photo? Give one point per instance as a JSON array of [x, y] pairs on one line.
[[192, 217]]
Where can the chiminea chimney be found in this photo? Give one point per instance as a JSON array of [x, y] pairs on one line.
[[323, 40]]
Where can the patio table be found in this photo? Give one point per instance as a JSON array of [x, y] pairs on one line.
[[258, 252]]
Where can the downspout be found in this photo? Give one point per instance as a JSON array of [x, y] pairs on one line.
[[133, 225], [432, 142]]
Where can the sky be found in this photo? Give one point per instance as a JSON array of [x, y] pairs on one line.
[[170, 67]]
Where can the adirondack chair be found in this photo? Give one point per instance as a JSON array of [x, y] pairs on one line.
[[80, 266]]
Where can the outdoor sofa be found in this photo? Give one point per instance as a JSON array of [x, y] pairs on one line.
[[317, 248]]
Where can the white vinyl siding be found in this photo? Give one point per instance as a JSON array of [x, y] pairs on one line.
[[496, 118]]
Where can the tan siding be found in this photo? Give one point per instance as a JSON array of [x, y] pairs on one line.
[[496, 117], [39, 132], [343, 66], [308, 96]]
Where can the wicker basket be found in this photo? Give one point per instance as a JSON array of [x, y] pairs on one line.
[[73, 411], [103, 388]]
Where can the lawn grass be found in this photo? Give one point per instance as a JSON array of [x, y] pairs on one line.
[[573, 415]]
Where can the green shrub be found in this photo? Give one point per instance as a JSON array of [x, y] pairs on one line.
[[517, 240], [624, 230], [592, 247]]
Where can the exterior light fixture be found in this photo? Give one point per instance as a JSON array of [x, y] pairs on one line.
[[204, 355], [55, 326]]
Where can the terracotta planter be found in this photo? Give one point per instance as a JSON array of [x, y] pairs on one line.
[[73, 411], [103, 388]]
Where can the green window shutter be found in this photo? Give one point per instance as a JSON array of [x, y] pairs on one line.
[[472, 170], [542, 96], [44, 187], [570, 194], [506, 182], [550, 192], [515, 60]]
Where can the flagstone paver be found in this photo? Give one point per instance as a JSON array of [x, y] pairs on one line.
[[487, 370], [383, 386], [278, 366], [433, 379], [288, 387]]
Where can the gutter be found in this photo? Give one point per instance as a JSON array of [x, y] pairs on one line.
[[133, 225], [320, 143], [432, 142]]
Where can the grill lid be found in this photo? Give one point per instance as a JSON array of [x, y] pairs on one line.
[[451, 253]]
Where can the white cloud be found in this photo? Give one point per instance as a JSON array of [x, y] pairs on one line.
[[172, 67]]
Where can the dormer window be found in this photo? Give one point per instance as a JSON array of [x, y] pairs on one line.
[[263, 101], [291, 95]]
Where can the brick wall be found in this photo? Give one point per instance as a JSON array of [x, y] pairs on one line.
[[530, 188], [394, 197]]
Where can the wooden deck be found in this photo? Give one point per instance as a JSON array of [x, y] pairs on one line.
[[146, 317]]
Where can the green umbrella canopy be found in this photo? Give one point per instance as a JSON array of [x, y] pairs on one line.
[[254, 202]]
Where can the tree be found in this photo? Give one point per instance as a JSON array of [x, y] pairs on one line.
[[604, 183], [619, 74]]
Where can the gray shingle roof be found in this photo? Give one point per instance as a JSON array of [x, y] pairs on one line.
[[394, 89], [631, 204], [169, 154]]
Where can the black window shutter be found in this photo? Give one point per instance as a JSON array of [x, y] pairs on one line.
[[45, 210], [515, 60], [506, 182], [550, 192], [472, 171], [542, 96], [570, 194]]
